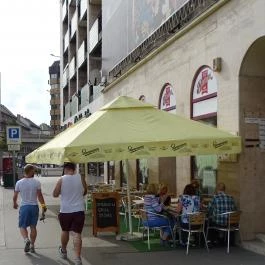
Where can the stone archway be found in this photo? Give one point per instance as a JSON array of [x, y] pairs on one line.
[[252, 130]]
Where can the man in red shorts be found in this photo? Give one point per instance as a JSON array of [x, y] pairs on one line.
[[72, 188]]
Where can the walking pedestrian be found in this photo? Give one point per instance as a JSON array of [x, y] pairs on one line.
[[72, 188], [29, 189]]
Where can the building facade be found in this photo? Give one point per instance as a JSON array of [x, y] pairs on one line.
[[202, 59], [32, 137], [54, 72]]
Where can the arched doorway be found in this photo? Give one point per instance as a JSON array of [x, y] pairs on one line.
[[252, 130]]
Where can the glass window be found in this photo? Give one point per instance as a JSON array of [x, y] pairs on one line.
[[111, 172], [142, 172], [53, 75], [204, 167]]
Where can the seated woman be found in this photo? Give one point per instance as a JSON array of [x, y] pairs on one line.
[[163, 196], [196, 184], [152, 206], [188, 203]]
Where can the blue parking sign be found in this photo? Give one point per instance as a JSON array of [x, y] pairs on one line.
[[13, 135]]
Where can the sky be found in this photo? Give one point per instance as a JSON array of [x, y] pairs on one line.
[[29, 33]]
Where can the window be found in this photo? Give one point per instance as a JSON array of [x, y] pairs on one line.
[[54, 76], [54, 86]]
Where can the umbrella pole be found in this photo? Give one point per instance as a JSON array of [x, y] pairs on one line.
[[126, 164], [130, 236]]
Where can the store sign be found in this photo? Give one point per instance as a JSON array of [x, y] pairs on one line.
[[205, 83], [204, 93], [167, 99]]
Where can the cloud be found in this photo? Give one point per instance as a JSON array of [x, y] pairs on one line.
[[31, 32]]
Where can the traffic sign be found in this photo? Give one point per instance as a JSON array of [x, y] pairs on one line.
[[13, 147], [13, 135]]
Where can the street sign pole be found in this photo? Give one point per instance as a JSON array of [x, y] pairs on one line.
[[14, 168]]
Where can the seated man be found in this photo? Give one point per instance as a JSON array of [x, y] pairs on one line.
[[220, 203]]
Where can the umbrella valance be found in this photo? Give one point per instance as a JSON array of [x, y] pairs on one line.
[[127, 128]]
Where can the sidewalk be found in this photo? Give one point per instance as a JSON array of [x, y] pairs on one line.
[[97, 250]]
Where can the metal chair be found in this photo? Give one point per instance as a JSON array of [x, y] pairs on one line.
[[196, 224], [233, 220], [147, 226], [124, 211]]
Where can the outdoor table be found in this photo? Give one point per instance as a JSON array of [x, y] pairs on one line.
[[174, 200], [138, 202]]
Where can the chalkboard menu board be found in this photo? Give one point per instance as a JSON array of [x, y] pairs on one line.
[[105, 212]]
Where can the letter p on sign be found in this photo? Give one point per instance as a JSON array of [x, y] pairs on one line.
[[13, 135]]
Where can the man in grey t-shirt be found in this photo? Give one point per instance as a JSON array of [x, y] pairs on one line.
[[30, 192]]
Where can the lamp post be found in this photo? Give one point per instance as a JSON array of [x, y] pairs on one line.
[[57, 56]]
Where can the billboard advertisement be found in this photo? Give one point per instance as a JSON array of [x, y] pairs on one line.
[[127, 23]]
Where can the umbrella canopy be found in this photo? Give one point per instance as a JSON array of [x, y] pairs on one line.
[[127, 128]]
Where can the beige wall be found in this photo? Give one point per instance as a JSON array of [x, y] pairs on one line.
[[227, 33], [252, 173]]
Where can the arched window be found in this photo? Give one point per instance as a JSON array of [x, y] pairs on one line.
[[167, 99], [204, 109]]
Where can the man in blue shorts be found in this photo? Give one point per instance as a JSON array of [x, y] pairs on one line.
[[30, 192]]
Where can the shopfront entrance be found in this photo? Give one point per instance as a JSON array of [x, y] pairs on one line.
[[252, 130]]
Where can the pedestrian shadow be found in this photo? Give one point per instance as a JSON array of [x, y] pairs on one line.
[[40, 259]]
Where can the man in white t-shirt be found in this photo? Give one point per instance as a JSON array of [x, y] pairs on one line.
[[72, 188], [30, 192]]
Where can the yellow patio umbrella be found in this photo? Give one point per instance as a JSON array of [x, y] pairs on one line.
[[127, 128]]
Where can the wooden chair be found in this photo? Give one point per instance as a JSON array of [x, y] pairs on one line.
[[196, 224], [233, 224], [148, 227]]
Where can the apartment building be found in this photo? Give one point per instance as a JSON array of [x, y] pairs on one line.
[[55, 122], [202, 59], [81, 27]]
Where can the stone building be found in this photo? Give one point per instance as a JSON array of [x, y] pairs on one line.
[[32, 136], [202, 59]]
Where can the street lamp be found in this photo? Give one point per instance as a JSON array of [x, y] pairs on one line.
[[51, 54]]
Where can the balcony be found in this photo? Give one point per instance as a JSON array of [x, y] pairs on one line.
[[54, 112], [67, 112], [72, 68], [65, 76], [55, 90], [74, 105], [83, 8], [81, 54], [96, 92], [54, 122], [72, 2], [66, 40], [95, 34], [95, 2], [74, 24], [84, 96], [64, 10], [55, 101]]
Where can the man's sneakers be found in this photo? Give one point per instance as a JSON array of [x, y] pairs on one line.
[[62, 253], [32, 249], [78, 261], [27, 245]]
